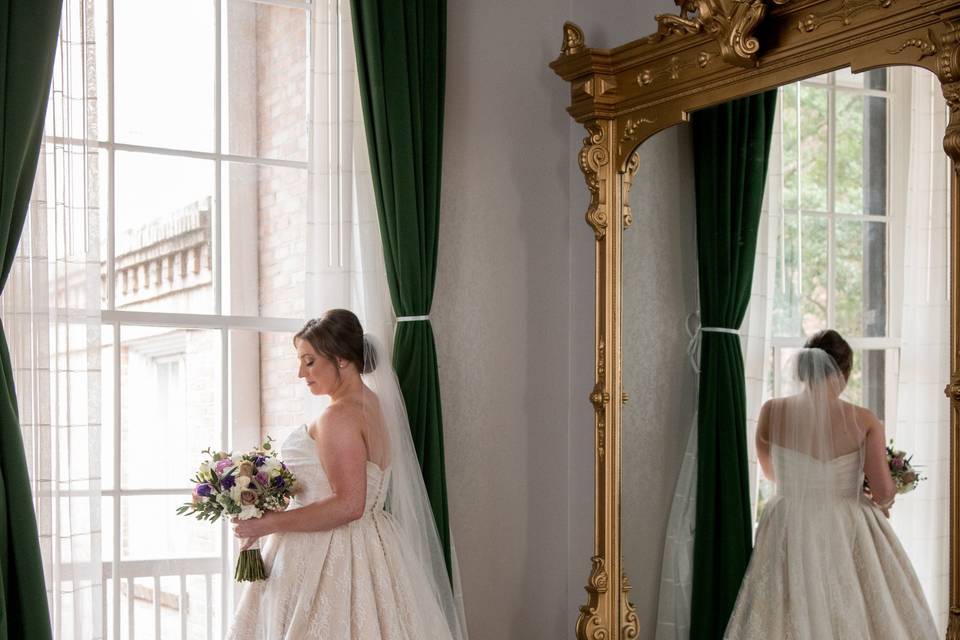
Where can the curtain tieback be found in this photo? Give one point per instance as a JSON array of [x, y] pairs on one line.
[[413, 318], [693, 348]]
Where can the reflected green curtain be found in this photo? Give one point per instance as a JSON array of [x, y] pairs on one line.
[[731, 149], [401, 48], [29, 33]]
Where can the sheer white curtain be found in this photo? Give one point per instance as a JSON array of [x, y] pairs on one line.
[[920, 423], [51, 308], [345, 265]]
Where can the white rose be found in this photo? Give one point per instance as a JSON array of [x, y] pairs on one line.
[[243, 482], [249, 511], [235, 493], [270, 465]]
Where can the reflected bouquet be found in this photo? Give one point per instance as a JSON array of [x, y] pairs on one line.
[[905, 476], [242, 486]]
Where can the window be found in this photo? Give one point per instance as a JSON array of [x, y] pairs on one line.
[[831, 268], [206, 156]]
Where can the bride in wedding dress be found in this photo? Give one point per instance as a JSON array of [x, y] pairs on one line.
[[356, 555], [827, 564]]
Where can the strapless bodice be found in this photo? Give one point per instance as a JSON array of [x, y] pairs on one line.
[[299, 453], [798, 472]]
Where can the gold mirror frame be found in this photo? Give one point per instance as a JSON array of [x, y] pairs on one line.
[[711, 52]]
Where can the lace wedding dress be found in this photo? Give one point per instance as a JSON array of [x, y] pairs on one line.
[[355, 582], [827, 564]]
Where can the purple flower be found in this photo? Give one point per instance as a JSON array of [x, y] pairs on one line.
[[262, 479], [223, 464], [278, 482], [204, 489], [259, 460], [228, 482]]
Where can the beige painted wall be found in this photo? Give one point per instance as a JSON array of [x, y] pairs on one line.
[[513, 313]]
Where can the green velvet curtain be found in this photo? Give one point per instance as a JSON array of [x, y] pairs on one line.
[[401, 62], [731, 149], [29, 33]]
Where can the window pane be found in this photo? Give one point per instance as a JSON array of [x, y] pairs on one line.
[[108, 455], [860, 298], [790, 124], [150, 529], [263, 375], [814, 109], [861, 154], [265, 222], [800, 290], [867, 381], [170, 394], [163, 237], [164, 70], [265, 81]]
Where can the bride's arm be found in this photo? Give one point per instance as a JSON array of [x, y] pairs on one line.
[[763, 441], [875, 465], [343, 453]]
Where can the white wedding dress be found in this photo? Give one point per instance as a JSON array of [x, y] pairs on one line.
[[355, 582], [827, 564]]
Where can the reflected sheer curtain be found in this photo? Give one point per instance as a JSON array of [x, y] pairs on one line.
[[920, 314], [51, 309]]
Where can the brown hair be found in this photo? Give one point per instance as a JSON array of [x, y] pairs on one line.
[[338, 334], [836, 347]]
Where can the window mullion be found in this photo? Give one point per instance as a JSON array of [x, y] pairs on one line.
[[831, 201]]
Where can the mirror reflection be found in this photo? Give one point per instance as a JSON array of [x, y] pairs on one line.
[[853, 236]]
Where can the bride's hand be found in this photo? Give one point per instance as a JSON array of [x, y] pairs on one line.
[[254, 527]]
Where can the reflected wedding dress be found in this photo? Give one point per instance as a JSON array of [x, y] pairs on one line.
[[354, 582], [827, 566]]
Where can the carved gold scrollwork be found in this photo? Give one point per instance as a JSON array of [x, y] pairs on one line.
[[629, 622], [845, 13], [573, 41], [952, 390], [731, 22], [594, 156], [599, 398], [590, 624], [927, 47], [631, 132], [953, 624], [631, 170]]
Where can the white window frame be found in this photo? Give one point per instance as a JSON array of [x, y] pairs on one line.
[[115, 320], [890, 343]]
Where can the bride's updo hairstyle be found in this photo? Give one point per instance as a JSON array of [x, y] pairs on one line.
[[338, 334], [835, 346]]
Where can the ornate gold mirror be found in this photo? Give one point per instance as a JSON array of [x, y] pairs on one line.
[[840, 56]]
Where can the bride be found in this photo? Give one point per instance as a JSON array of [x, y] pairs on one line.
[[356, 555], [826, 564]]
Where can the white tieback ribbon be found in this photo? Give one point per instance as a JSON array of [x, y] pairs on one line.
[[413, 318], [693, 348]]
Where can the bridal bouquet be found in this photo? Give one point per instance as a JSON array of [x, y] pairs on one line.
[[905, 476], [242, 486]]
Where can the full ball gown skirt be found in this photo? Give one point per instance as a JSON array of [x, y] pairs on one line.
[[350, 583], [835, 571]]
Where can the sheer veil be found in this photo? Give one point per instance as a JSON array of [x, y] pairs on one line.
[[407, 498], [816, 444]]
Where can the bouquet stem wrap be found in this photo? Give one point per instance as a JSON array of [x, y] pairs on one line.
[[250, 565]]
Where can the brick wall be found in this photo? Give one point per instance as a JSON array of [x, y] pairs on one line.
[[282, 205]]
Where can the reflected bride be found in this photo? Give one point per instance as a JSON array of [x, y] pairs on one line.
[[827, 564]]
